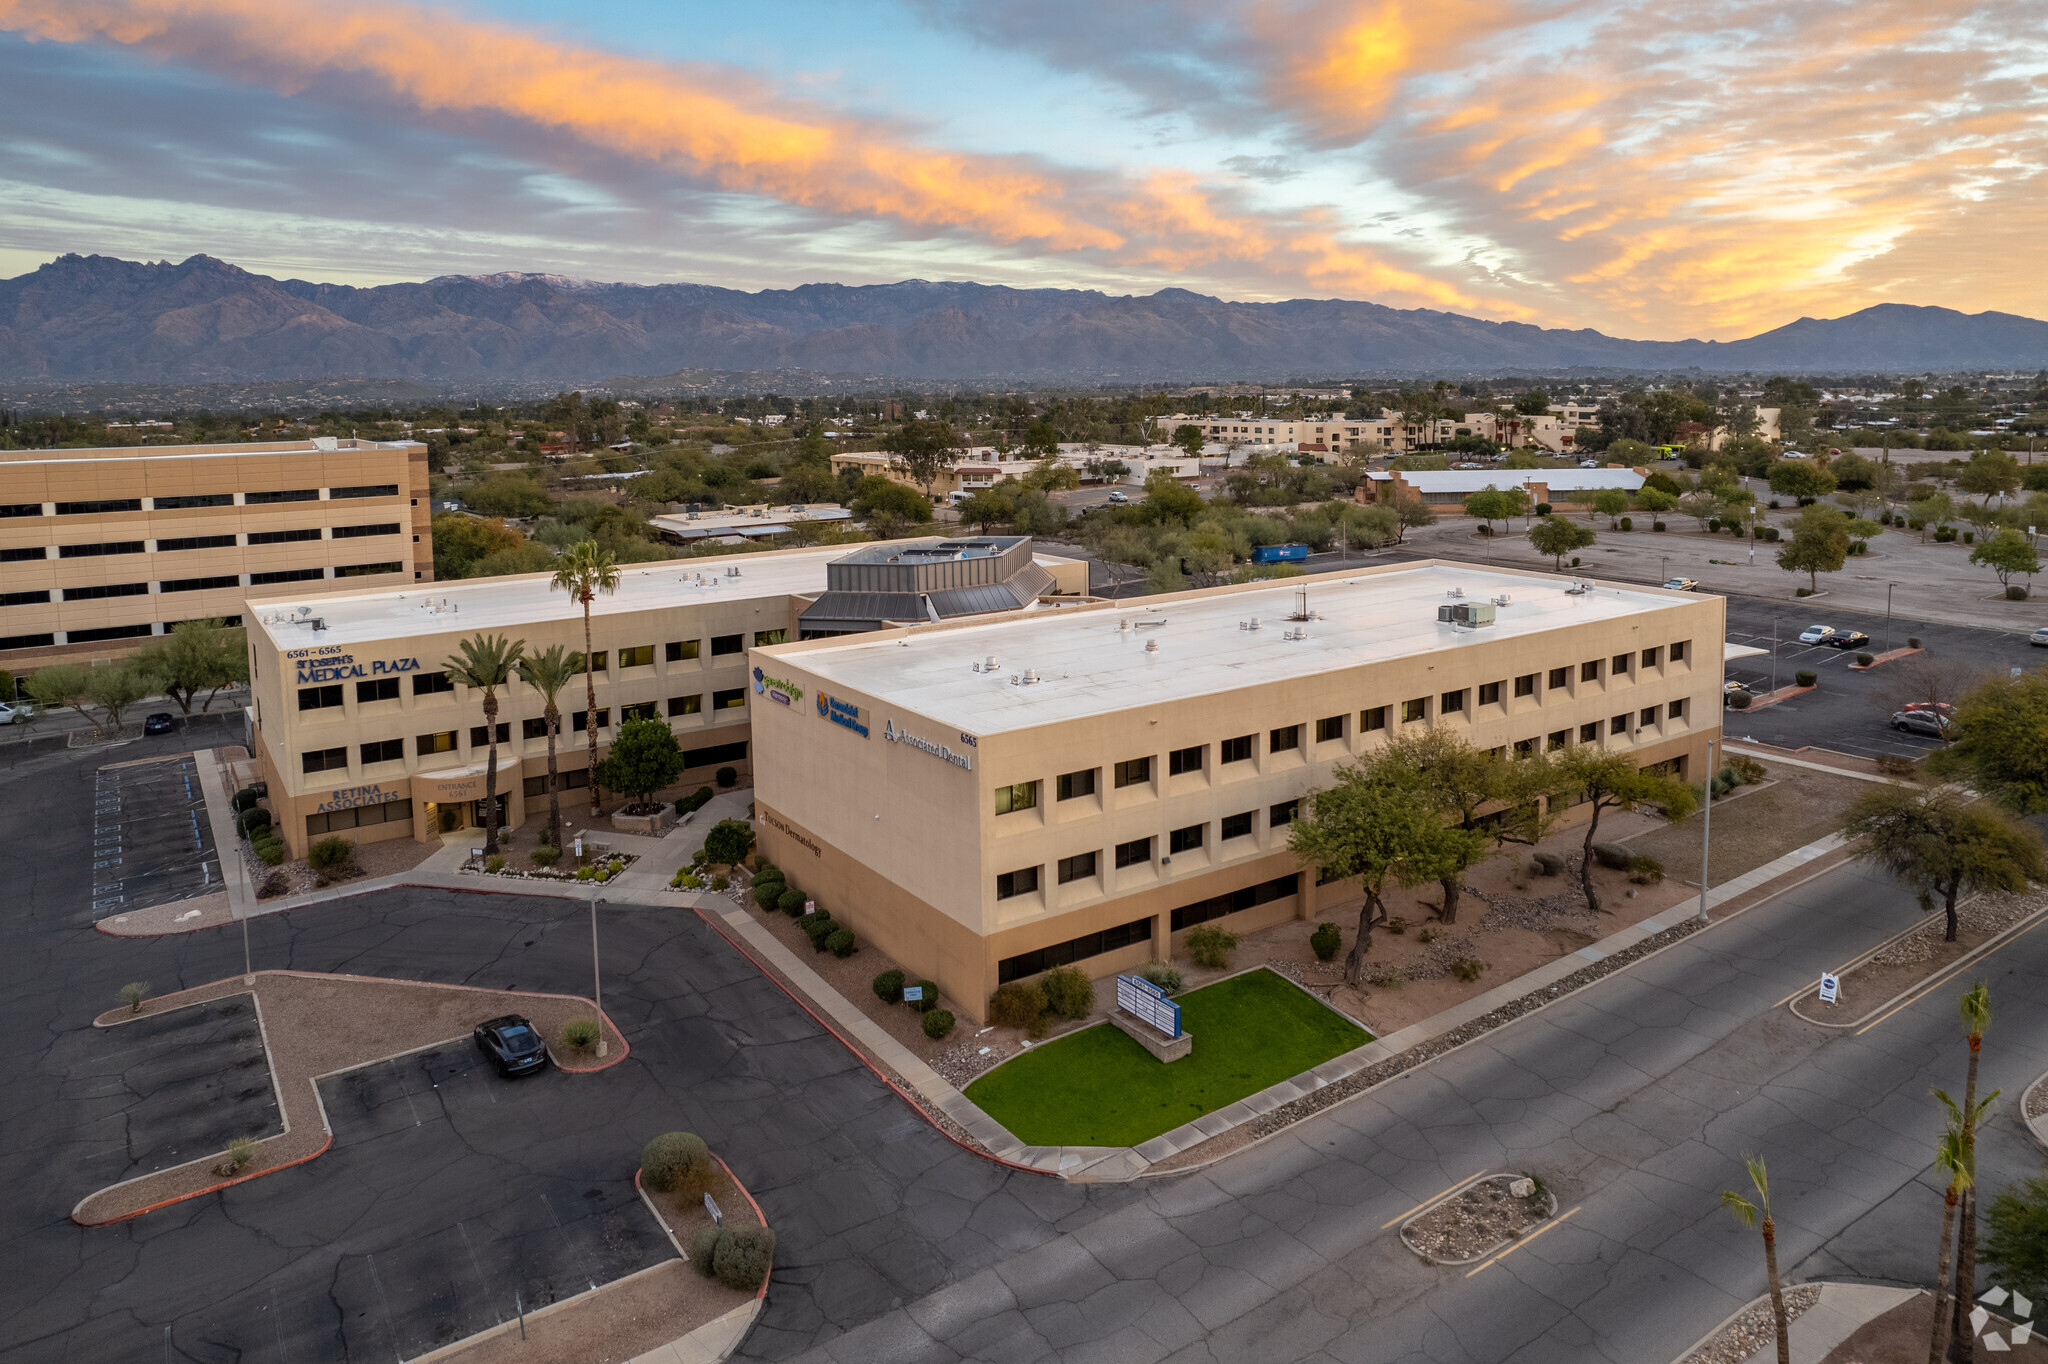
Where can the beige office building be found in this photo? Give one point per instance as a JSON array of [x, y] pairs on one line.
[[984, 801], [101, 549], [358, 731]]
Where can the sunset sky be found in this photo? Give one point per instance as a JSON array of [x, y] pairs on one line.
[[1659, 170]]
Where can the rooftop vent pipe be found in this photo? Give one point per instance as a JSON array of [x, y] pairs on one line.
[[1151, 646]]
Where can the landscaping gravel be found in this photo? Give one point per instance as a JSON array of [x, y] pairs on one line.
[[1988, 915], [1473, 1223], [1755, 1329], [2037, 1101]]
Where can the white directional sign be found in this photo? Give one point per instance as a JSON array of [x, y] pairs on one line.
[[1148, 1003], [1830, 989]]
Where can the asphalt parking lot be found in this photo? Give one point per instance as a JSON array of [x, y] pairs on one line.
[[1850, 711], [151, 842]]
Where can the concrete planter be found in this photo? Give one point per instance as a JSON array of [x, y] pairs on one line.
[[653, 826]]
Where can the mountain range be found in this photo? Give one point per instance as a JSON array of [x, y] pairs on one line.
[[99, 319]]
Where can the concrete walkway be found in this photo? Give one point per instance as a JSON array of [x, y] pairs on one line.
[[1842, 1308]]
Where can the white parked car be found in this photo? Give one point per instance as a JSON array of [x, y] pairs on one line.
[[16, 713], [2039, 638], [1816, 634], [1117, 499]]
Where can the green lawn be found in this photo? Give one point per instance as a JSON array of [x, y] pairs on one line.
[[1100, 1088]]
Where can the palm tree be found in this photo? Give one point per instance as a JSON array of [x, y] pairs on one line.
[[1747, 1212], [486, 663], [1953, 1154], [547, 673], [1976, 1011], [584, 572]]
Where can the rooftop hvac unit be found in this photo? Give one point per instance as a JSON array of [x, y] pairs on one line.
[[1469, 614]]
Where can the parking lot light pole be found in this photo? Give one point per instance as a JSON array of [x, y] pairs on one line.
[[596, 979], [1888, 616], [248, 967], [1707, 832]]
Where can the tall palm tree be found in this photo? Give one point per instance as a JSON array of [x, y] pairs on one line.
[[486, 663], [1976, 1011], [547, 673], [1953, 1155], [1747, 1212], [584, 572]]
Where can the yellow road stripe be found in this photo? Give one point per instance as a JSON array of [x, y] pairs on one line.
[[1433, 1199], [1524, 1241]]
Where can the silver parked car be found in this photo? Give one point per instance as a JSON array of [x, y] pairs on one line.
[[1932, 723]]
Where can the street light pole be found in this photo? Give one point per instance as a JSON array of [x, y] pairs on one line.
[[1888, 616], [596, 978], [1707, 832]]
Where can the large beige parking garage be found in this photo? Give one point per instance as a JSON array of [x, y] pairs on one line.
[[985, 801]]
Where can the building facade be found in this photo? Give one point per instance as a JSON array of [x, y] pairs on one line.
[[986, 801], [105, 548], [1562, 489]]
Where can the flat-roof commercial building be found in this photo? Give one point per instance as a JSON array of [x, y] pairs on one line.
[[104, 548], [358, 730], [984, 801], [1566, 488]]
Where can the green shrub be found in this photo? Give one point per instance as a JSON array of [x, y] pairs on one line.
[[271, 853], [720, 883], [729, 842], [544, 856], [1210, 946], [1627, 523], [744, 1257], [840, 943], [928, 996], [766, 893], [816, 926], [685, 879], [1770, 532], [1748, 771], [1163, 974], [1865, 660], [1326, 941], [726, 777], [274, 885], [766, 870], [1806, 678], [580, 1033], [1645, 871], [695, 801], [1467, 969], [1802, 591], [252, 819], [1575, 561], [1713, 525], [791, 901], [585, 873], [1068, 992], [241, 1151], [2016, 1237], [494, 864], [1912, 641], [1016, 1005], [242, 799], [889, 987], [2015, 592], [133, 993], [333, 851], [1543, 509], [937, 1024], [1397, 925], [1657, 525], [1740, 700], [704, 1248], [674, 1160]]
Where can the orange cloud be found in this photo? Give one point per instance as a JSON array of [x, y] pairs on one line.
[[471, 73]]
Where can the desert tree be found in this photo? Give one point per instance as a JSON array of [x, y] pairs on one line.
[[1608, 780], [1942, 845]]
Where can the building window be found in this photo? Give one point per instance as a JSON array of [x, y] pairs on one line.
[[1618, 725], [1589, 733], [1079, 867], [535, 728], [1330, 729], [1237, 826], [1133, 772], [1559, 678], [1283, 813], [604, 719], [1453, 702], [1236, 750], [357, 532], [1182, 840], [598, 662], [35, 598], [200, 584], [1073, 784], [287, 575], [1374, 718], [1073, 950], [368, 570], [1022, 796], [289, 495], [1011, 884], [1132, 853], [1525, 685], [369, 490], [1418, 709], [427, 684], [639, 710], [680, 649], [334, 821], [323, 760], [727, 644], [195, 500], [1282, 739], [1236, 901], [1678, 651], [764, 638], [639, 656], [686, 705], [730, 698], [181, 542], [716, 753], [442, 742], [1184, 760], [1589, 671], [1524, 747], [283, 537], [99, 590], [1489, 693], [1678, 709], [319, 698], [13, 509], [15, 556], [480, 735], [377, 689], [104, 505], [1649, 716], [1559, 738], [1620, 666], [384, 751], [1650, 658]]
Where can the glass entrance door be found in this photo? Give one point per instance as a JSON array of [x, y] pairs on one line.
[[445, 818], [479, 810]]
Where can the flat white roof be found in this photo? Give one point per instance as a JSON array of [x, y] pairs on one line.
[[1088, 665], [511, 603], [1476, 480]]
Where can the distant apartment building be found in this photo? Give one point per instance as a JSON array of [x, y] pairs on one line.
[[104, 548]]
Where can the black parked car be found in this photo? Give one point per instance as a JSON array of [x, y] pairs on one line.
[[513, 1044], [1848, 639], [159, 723]]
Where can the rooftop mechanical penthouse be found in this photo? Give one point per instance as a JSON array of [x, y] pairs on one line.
[[987, 800]]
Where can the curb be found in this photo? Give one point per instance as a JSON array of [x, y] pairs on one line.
[[1401, 1233], [2037, 1126], [1982, 949], [1689, 1351]]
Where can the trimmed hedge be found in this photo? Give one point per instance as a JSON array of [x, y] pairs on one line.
[[927, 1001], [743, 1257], [704, 1248], [242, 799], [1325, 941], [1017, 1004], [252, 819], [889, 987], [937, 1024], [839, 942], [791, 901], [272, 852], [672, 1159], [1068, 992]]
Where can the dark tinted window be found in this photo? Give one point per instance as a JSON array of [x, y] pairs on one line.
[[10, 509], [1079, 867], [15, 556], [283, 537], [1020, 882], [1525, 685], [95, 551], [1136, 851], [1237, 826], [727, 644], [323, 760], [1072, 784], [1374, 718], [604, 718], [1560, 677], [1280, 740], [99, 590], [1236, 750], [42, 641], [731, 698], [383, 751], [426, 684], [290, 495], [319, 698], [480, 735], [1181, 840], [1329, 729], [1283, 813], [367, 570], [1489, 693], [194, 542], [287, 575], [108, 632], [1133, 771], [1184, 760], [680, 649], [111, 504], [368, 490], [377, 689], [195, 500], [34, 598], [686, 705]]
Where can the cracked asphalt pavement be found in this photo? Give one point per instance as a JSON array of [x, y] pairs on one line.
[[1636, 1100]]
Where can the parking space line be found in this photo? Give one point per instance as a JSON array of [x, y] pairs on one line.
[[406, 1090], [477, 1265], [397, 1351], [567, 1240]]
